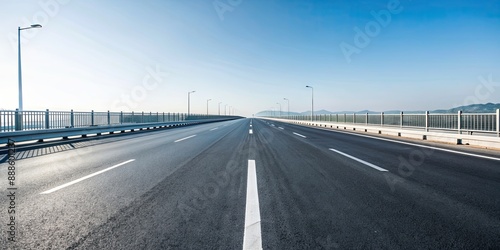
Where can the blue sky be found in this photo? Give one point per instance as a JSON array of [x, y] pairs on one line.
[[146, 55]]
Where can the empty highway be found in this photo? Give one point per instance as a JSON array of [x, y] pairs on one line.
[[251, 184]]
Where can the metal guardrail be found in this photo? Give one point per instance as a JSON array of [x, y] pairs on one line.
[[15, 120], [460, 122], [65, 133]]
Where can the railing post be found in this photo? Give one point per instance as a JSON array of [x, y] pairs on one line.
[[366, 118], [381, 119], [498, 122], [401, 120], [92, 118], [72, 119], [18, 120], [163, 115], [132, 120], [345, 118], [121, 117], [142, 117], [109, 118], [459, 121], [353, 118], [426, 121], [47, 119]]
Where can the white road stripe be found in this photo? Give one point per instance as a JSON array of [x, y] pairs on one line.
[[85, 177], [303, 136], [1, 158], [250, 131], [250, 125], [417, 145], [359, 160], [280, 128], [213, 129], [185, 138], [252, 238]]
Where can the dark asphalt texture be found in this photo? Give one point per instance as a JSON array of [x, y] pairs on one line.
[[191, 194]]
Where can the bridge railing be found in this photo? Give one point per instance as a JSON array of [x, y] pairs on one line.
[[460, 122], [15, 120]]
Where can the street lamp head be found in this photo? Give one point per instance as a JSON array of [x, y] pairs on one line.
[[33, 26], [308, 86]]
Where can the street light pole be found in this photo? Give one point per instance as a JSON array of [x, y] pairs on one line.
[[312, 102], [189, 101], [207, 104], [19, 61], [280, 108], [288, 110], [219, 107]]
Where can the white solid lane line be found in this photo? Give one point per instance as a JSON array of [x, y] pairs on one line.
[[213, 129], [359, 160], [85, 177], [417, 145], [250, 131], [303, 136], [252, 238], [185, 138]]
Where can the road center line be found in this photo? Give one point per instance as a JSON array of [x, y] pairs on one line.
[[252, 238], [250, 131], [281, 128], [359, 160], [185, 138], [213, 129], [86, 177], [303, 136]]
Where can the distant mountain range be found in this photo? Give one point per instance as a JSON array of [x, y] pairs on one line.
[[473, 108]]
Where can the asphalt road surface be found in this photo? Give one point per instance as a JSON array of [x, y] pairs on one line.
[[250, 184]]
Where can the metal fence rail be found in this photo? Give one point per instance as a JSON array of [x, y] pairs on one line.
[[15, 120], [460, 122]]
